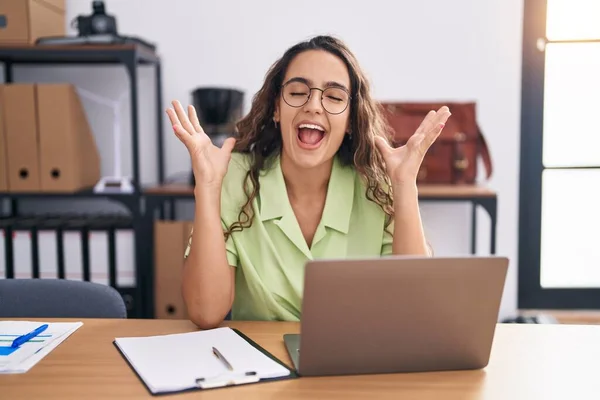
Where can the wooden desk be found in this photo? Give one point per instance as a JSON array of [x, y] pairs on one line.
[[574, 317], [527, 362]]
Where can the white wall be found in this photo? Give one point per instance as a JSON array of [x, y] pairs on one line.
[[412, 50]]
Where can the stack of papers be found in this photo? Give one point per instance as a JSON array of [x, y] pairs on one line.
[[22, 358], [177, 362]]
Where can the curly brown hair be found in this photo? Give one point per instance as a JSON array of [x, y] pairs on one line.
[[258, 136]]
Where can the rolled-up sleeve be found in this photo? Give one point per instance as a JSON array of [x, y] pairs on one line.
[[230, 248]]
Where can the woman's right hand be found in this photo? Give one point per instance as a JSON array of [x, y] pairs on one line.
[[209, 162]]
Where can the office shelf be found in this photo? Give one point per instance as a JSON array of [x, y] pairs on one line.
[[130, 56]]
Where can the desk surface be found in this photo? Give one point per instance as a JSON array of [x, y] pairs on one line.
[[425, 191], [527, 362]]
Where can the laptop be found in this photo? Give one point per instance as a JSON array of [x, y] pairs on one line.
[[397, 314]]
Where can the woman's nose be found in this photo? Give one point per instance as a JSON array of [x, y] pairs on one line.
[[314, 102]]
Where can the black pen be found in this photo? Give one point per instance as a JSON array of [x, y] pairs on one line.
[[220, 356]]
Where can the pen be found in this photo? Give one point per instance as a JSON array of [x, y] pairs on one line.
[[24, 338], [220, 356]]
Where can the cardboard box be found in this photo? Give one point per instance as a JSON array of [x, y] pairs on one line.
[[170, 240], [50, 146], [20, 130], [69, 159], [3, 160], [24, 21]]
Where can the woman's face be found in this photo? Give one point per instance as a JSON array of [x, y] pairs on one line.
[[314, 108]]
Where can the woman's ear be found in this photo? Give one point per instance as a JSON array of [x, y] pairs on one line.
[[348, 127], [276, 113]]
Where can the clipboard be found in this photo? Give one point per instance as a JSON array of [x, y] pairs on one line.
[[222, 380]]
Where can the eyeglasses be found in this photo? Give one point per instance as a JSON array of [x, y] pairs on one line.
[[333, 99]]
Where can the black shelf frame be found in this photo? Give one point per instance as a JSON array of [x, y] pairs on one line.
[[132, 204], [130, 56], [488, 203]]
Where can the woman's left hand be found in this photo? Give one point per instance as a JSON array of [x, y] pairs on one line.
[[403, 163]]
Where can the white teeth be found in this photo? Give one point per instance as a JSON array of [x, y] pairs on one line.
[[311, 126]]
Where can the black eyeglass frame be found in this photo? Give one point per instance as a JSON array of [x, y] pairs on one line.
[[310, 90]]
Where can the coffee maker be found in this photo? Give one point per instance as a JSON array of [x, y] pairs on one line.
[[218, 109]]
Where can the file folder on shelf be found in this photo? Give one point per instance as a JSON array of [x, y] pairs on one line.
[[200, 360]]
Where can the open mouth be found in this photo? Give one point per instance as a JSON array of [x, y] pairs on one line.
[[310, 136]]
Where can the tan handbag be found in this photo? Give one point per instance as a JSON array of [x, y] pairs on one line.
[[452, 159]]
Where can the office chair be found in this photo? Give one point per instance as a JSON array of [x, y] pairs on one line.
[[59, 298]]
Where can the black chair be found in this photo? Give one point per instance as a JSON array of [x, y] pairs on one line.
[[59, 298]]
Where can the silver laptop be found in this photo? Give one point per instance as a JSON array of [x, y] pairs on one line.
[[397, 314]]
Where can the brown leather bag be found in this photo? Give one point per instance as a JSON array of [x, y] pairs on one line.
[[452, 158]]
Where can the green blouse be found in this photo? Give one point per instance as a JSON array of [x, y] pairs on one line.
[[270, 255]]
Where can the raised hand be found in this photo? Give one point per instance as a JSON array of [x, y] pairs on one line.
[[403, 163], [209, 162]]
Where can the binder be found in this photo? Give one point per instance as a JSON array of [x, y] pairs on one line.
[[98, 249], [21, 136], [3, 145], [23, 247], [69, 158], [4, 224], [170, 239], [75, 261], [48, 242], [235, 378], [125, 253]]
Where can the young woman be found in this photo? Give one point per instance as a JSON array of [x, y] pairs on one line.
[[311, 174]]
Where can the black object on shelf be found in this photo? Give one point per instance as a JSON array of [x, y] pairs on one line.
[[217, 106], [98, 22], [218, 110]]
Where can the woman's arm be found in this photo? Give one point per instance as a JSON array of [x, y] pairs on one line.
[[208, 281], [207, 278], [409, 237], [403, 165]]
